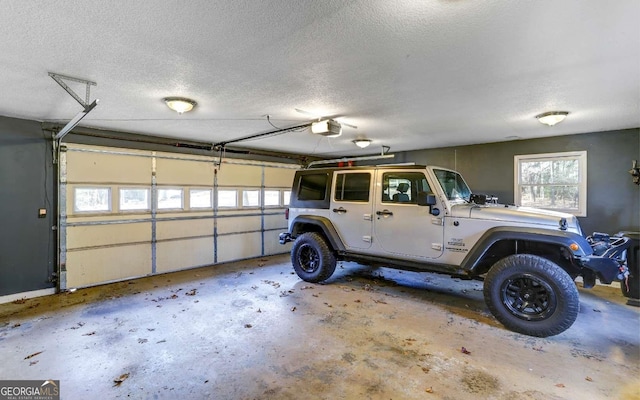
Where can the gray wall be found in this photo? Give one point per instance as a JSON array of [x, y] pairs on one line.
[[613, 201], [27, 243]]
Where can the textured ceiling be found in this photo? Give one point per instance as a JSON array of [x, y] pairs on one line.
[[409, 73]]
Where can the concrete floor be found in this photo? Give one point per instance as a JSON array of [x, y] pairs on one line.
[[253, 330]]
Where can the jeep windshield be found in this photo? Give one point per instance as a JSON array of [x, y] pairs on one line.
[[454, 187]]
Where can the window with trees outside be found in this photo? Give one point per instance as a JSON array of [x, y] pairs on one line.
[[554, 181]]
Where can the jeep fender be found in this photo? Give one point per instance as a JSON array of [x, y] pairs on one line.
[[322, 224], [494, 235]]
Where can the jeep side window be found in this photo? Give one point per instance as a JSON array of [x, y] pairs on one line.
[[352, 187], [403, 187], [312, 186]]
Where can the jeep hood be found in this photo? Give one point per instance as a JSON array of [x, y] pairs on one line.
[[514, 214]]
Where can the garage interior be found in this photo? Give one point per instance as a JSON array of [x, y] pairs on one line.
[[139, 252]]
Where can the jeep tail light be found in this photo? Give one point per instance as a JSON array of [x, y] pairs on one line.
[[286, 214]]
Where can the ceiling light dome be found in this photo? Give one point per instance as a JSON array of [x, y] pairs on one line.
[[362, 143], [552, 117], [180, 104]]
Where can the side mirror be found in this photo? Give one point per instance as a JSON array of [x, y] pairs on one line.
[[426, 199]]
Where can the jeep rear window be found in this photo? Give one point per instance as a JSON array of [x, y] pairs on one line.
[[352, 187], [312, 186]]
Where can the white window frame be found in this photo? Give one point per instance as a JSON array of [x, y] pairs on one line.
[[134, 210], [581, 156], [75, 199]]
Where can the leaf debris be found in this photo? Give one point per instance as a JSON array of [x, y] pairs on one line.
[[118, 381], [33, 355]]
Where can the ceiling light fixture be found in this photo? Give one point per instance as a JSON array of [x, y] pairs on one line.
[[328, 128], [362, 143], [552, 117], [180, 104]]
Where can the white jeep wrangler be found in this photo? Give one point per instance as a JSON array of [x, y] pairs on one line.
[[425, 218]]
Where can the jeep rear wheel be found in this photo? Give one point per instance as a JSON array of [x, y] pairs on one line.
[[312, 258], [531, 295]]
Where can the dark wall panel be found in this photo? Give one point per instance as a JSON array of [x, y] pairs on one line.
[[613, 201], [27, 243]]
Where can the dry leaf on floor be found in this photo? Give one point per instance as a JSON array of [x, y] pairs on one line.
[[589, 379], [33, 362], [191, 292], [33, 355], [463, 350], [560, 385], [248, 326], [89, 334], [379, 301], [16, 325], [429, 390], [141, 340], [118, 381]]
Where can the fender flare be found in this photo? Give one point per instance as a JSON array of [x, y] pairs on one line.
[[325, 225], [497, 234]]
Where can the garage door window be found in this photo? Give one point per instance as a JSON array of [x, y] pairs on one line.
[[227, 198], [271, 198], [250, 198], [170, 199], [200, 198], [92, 199], [134, 199]]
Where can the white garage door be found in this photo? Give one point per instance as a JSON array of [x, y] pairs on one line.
[[131, 213]]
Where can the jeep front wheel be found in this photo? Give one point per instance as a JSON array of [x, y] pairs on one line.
[[312, 258], [531, 295]]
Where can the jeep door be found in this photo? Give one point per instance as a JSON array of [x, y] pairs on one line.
[[350, 208], [402, 228]]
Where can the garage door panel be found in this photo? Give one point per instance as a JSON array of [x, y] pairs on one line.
[[101, 235], [239, 224], [240, 175], [181, 254], [273, 246], [89, 267], [184, 228], [275, 221], [238, 247], [278, 177], [101, 168], [184, 172]]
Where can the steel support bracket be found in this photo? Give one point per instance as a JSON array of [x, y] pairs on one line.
[[86, 107]]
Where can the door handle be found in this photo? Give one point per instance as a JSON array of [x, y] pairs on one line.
[[384, 212], [340, 210]]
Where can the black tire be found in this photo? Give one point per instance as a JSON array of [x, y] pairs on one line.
[[312, 258], [531, 295]]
